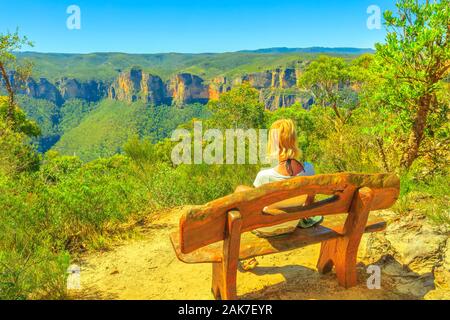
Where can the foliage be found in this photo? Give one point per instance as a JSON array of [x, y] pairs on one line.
[[238, 108], [184, 184], [328, 78], [53, 120], [429, 196], [104, 131], [413, 64], [72, 113], [16, 155], [106, 66], [65, 207], [21, 122], [13, 74]]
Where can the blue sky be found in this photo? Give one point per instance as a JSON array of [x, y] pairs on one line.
[[139, 26]]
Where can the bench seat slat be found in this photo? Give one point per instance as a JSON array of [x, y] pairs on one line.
[[253, 246]]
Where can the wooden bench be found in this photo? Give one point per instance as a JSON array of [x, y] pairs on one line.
[[218, 232]]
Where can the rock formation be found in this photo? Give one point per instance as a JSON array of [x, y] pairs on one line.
[[62, 90], [416, 252], [278, 78], [136, 85], [187, 88], [278, 88], [91, 91], [43, 89], [275, 99], [217, 86]]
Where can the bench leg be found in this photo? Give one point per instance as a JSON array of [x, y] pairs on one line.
[[223, 282], [337, 252], [325, 263], [342, 252], [224, 273], [216, 280]]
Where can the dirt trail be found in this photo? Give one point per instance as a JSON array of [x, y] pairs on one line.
[[147, 268]]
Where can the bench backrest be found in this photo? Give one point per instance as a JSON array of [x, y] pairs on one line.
[[206, 224]]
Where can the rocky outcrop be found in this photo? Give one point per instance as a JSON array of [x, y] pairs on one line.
[[181, 89], [62, 90], [43, 89], [274, 99], [278, 88], [414, 251], [258, 80], [217, 86], [91, 91], [136, 85], [278, 78], [187, 88]]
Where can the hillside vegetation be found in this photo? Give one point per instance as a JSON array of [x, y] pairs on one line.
[[105, 131], [106, 66]]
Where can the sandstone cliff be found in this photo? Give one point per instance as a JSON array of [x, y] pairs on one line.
[[278, 88], [43, 89], [218, 86], [187, 88], [62, 90], [278, 78], [136, 85], [92, 91]]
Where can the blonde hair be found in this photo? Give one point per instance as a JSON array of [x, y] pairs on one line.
[[283, 143]]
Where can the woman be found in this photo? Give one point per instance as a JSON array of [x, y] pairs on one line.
[[283, 148]]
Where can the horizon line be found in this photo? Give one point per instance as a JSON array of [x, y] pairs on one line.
[[250, 51]]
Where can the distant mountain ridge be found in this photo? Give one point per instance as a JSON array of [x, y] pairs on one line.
[[107, 66], [329, 50], [316, 49]]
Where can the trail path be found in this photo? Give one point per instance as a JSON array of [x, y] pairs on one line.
[[147, 268]]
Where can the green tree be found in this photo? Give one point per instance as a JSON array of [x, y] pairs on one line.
[[238, 108], [328, 79], [16, 155], [21, 123], [12, 74], [413, 64]]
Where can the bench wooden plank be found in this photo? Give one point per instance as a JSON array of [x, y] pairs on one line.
[[297, 204], [208, 222], [253, 246]]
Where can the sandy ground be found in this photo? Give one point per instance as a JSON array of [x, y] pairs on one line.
[[147, 268]]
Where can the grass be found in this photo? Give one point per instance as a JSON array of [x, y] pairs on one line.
[[49, 216], [430, 197]]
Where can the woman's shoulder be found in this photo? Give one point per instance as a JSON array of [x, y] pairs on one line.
[[263, 176], [266, 172]]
